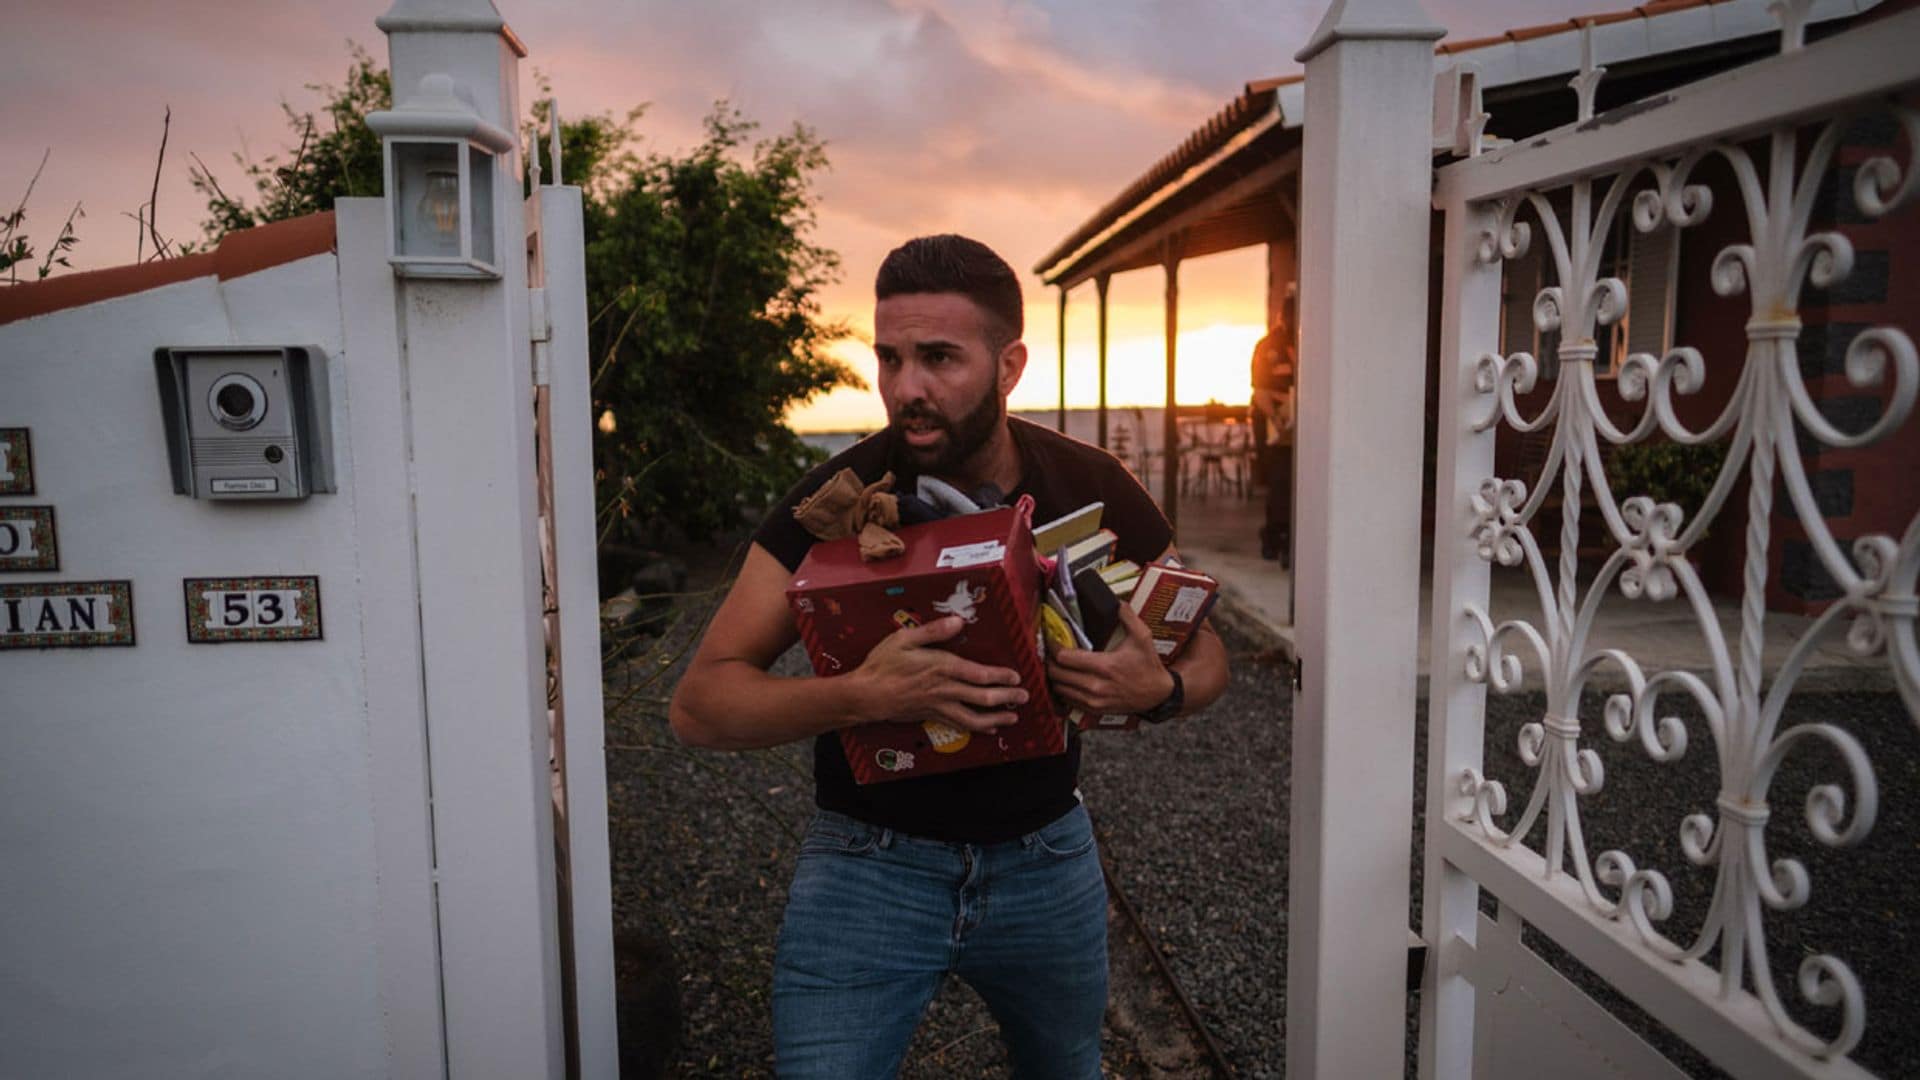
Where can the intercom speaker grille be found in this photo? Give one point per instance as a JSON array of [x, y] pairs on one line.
[[233, 450]]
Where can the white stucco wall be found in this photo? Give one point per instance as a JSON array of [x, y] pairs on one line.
[[195, 835]]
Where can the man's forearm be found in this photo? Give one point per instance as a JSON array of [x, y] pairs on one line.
[[734, 705], [1203, 670]]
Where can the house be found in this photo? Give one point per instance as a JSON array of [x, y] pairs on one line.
[[1234, 183]]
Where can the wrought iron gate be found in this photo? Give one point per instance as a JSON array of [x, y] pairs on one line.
[[1758, 147]]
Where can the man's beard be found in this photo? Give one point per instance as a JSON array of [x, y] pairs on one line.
[[965, 436]]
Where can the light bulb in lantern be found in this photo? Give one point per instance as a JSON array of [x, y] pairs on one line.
[[440, 206]]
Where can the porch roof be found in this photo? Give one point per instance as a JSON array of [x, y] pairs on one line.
[[1227, 185]]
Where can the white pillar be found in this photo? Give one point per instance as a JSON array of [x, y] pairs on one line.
[[466, 358], [1365, 206]]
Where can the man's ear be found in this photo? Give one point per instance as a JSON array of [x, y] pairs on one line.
[[1013, 362]]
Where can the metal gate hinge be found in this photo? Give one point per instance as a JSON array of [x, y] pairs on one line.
[[539, 325], [540, 331]]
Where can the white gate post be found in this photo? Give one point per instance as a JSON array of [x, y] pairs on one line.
[[1365, 206], [466, 358]]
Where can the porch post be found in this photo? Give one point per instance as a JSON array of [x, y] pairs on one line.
[[1169, 423], [1100, 288], [1364, 213], [1063, 359]]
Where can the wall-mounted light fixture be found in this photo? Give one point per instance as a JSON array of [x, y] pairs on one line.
[[440, 165]]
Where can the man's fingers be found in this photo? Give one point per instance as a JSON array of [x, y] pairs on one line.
[[974, 720], [1068, 698], [988, 697], [938, 630], [1066, 676], [964, 670], [1085, 660]]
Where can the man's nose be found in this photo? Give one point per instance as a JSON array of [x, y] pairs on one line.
[[908, 384]]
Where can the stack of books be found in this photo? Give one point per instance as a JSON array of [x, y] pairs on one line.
[[1081, 605]]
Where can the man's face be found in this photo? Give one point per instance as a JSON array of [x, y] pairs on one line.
[[944, 387]]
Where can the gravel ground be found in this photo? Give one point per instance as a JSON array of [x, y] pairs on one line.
[[1192, 818]]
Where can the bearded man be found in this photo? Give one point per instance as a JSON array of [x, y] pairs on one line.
[[990, 874]]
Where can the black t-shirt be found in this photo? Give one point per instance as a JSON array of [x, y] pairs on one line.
[[998, 802]]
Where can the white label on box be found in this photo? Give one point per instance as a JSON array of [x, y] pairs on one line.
[[1186, 604], [965, 555]]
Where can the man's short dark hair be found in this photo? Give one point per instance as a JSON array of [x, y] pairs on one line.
[[949, 263]]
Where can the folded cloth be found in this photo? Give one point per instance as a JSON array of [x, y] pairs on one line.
[[876, 543], [878, 505], [828, 512], [842, 507]]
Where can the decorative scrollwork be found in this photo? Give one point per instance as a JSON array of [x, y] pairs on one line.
[[1768, 425]]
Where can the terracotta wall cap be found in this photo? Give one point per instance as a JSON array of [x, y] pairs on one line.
[[237, 254]]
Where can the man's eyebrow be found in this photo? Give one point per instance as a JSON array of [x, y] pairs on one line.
[[937, 346]]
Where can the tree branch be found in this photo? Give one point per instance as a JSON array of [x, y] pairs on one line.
[[153, 200]]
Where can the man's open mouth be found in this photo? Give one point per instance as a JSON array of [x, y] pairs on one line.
[[922, 431]]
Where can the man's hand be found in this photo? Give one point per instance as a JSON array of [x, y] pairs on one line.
[[906, 677], [1127, 680]]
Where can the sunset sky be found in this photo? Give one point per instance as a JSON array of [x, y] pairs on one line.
[[1008, 120]]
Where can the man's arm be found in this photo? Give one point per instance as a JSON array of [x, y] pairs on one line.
[[1131, 678], [727, 700]]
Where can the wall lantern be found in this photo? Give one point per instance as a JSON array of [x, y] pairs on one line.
[[440, 175]]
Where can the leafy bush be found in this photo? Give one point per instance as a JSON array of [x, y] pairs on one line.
[[707, 327], [702, 290], [1668, 472]]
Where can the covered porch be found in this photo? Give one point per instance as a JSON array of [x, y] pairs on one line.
[[1233, 184]]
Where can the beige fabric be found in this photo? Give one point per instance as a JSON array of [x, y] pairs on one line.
[[828, 512], [842, 507], [878, 543]]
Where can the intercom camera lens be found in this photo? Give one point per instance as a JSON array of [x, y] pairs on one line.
[[238, 402], [274, 454]]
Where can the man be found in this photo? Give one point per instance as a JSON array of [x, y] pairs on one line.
[[990, 873], [1272, 378]]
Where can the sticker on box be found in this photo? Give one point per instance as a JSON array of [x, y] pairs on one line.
[[965, 555], [964, 602], [1186, 604]]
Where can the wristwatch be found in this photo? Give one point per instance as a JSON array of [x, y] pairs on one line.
[[1170, 708]]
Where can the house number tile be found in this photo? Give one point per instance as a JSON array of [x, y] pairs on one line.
[[27, 539], [16, 461], [252, 609], [66, 614]]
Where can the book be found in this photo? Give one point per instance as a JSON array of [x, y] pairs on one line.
[[1068, 528], [1105, 630], [1173, 601], [1068, 622], [1120, 576], [1091, 552], [1099, 610]]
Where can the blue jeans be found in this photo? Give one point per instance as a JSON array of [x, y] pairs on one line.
[[876, 920]]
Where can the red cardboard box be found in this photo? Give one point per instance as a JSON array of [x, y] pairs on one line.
[[978, 566]]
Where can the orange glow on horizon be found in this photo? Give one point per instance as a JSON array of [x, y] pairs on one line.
[[1212, 366], [1222, 314]]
